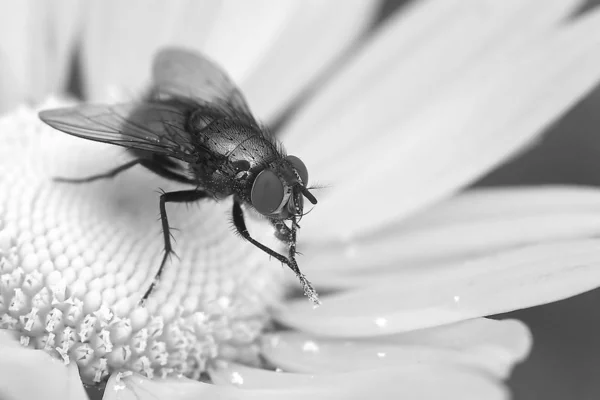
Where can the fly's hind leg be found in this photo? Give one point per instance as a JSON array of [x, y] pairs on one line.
[[109, 174], [158, 164], [240, 226], [182, 196]]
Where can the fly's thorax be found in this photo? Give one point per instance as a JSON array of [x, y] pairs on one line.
[[233, 140]]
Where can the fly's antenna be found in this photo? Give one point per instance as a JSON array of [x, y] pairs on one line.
[[308, 195]]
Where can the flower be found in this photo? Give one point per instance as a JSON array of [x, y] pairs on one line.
[[440, 94]]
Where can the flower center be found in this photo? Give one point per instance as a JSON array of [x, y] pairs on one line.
[[75, 260]]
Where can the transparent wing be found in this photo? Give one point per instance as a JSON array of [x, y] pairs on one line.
[[155, 127], [190, 75]]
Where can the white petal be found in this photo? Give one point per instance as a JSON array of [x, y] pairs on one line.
[[263, 44], [36, 42], [33, 374], [489, 203], [318, 33], [490, 354], [234, 374], [136, 387], [119, 39], [437, 99], [468, 226], [509, 337], [502, 282], [415, 382]]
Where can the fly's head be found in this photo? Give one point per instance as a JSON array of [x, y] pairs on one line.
[[278, 190]]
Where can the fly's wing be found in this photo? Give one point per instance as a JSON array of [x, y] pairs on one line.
[[155, 127], [184, 74]]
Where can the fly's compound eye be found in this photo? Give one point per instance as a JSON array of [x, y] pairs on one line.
[[300, 167], [267, 192]]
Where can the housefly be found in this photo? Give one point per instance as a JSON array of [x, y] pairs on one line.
[[194, 127]]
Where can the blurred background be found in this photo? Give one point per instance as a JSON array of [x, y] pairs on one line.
[[565, 361], [566, 355]]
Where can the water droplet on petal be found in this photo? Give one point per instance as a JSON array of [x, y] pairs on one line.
[[310, 347], [381, 322], [237, 379]]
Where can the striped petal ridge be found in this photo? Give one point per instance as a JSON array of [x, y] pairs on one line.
[[439, 96]]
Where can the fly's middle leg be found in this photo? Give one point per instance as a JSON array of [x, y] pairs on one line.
[[182, 196]]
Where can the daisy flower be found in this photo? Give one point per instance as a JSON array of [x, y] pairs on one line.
[[408, 267]]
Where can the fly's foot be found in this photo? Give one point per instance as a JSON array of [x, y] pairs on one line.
[[307, 287]]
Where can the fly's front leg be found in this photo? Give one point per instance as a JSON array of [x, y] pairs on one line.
[[282, 232], [287, 235], [240, 226], [182, 196], [292, 242]]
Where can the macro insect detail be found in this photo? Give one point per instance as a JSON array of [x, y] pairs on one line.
[[194, 127]]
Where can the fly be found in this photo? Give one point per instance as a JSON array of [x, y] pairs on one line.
[[197, 115]]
